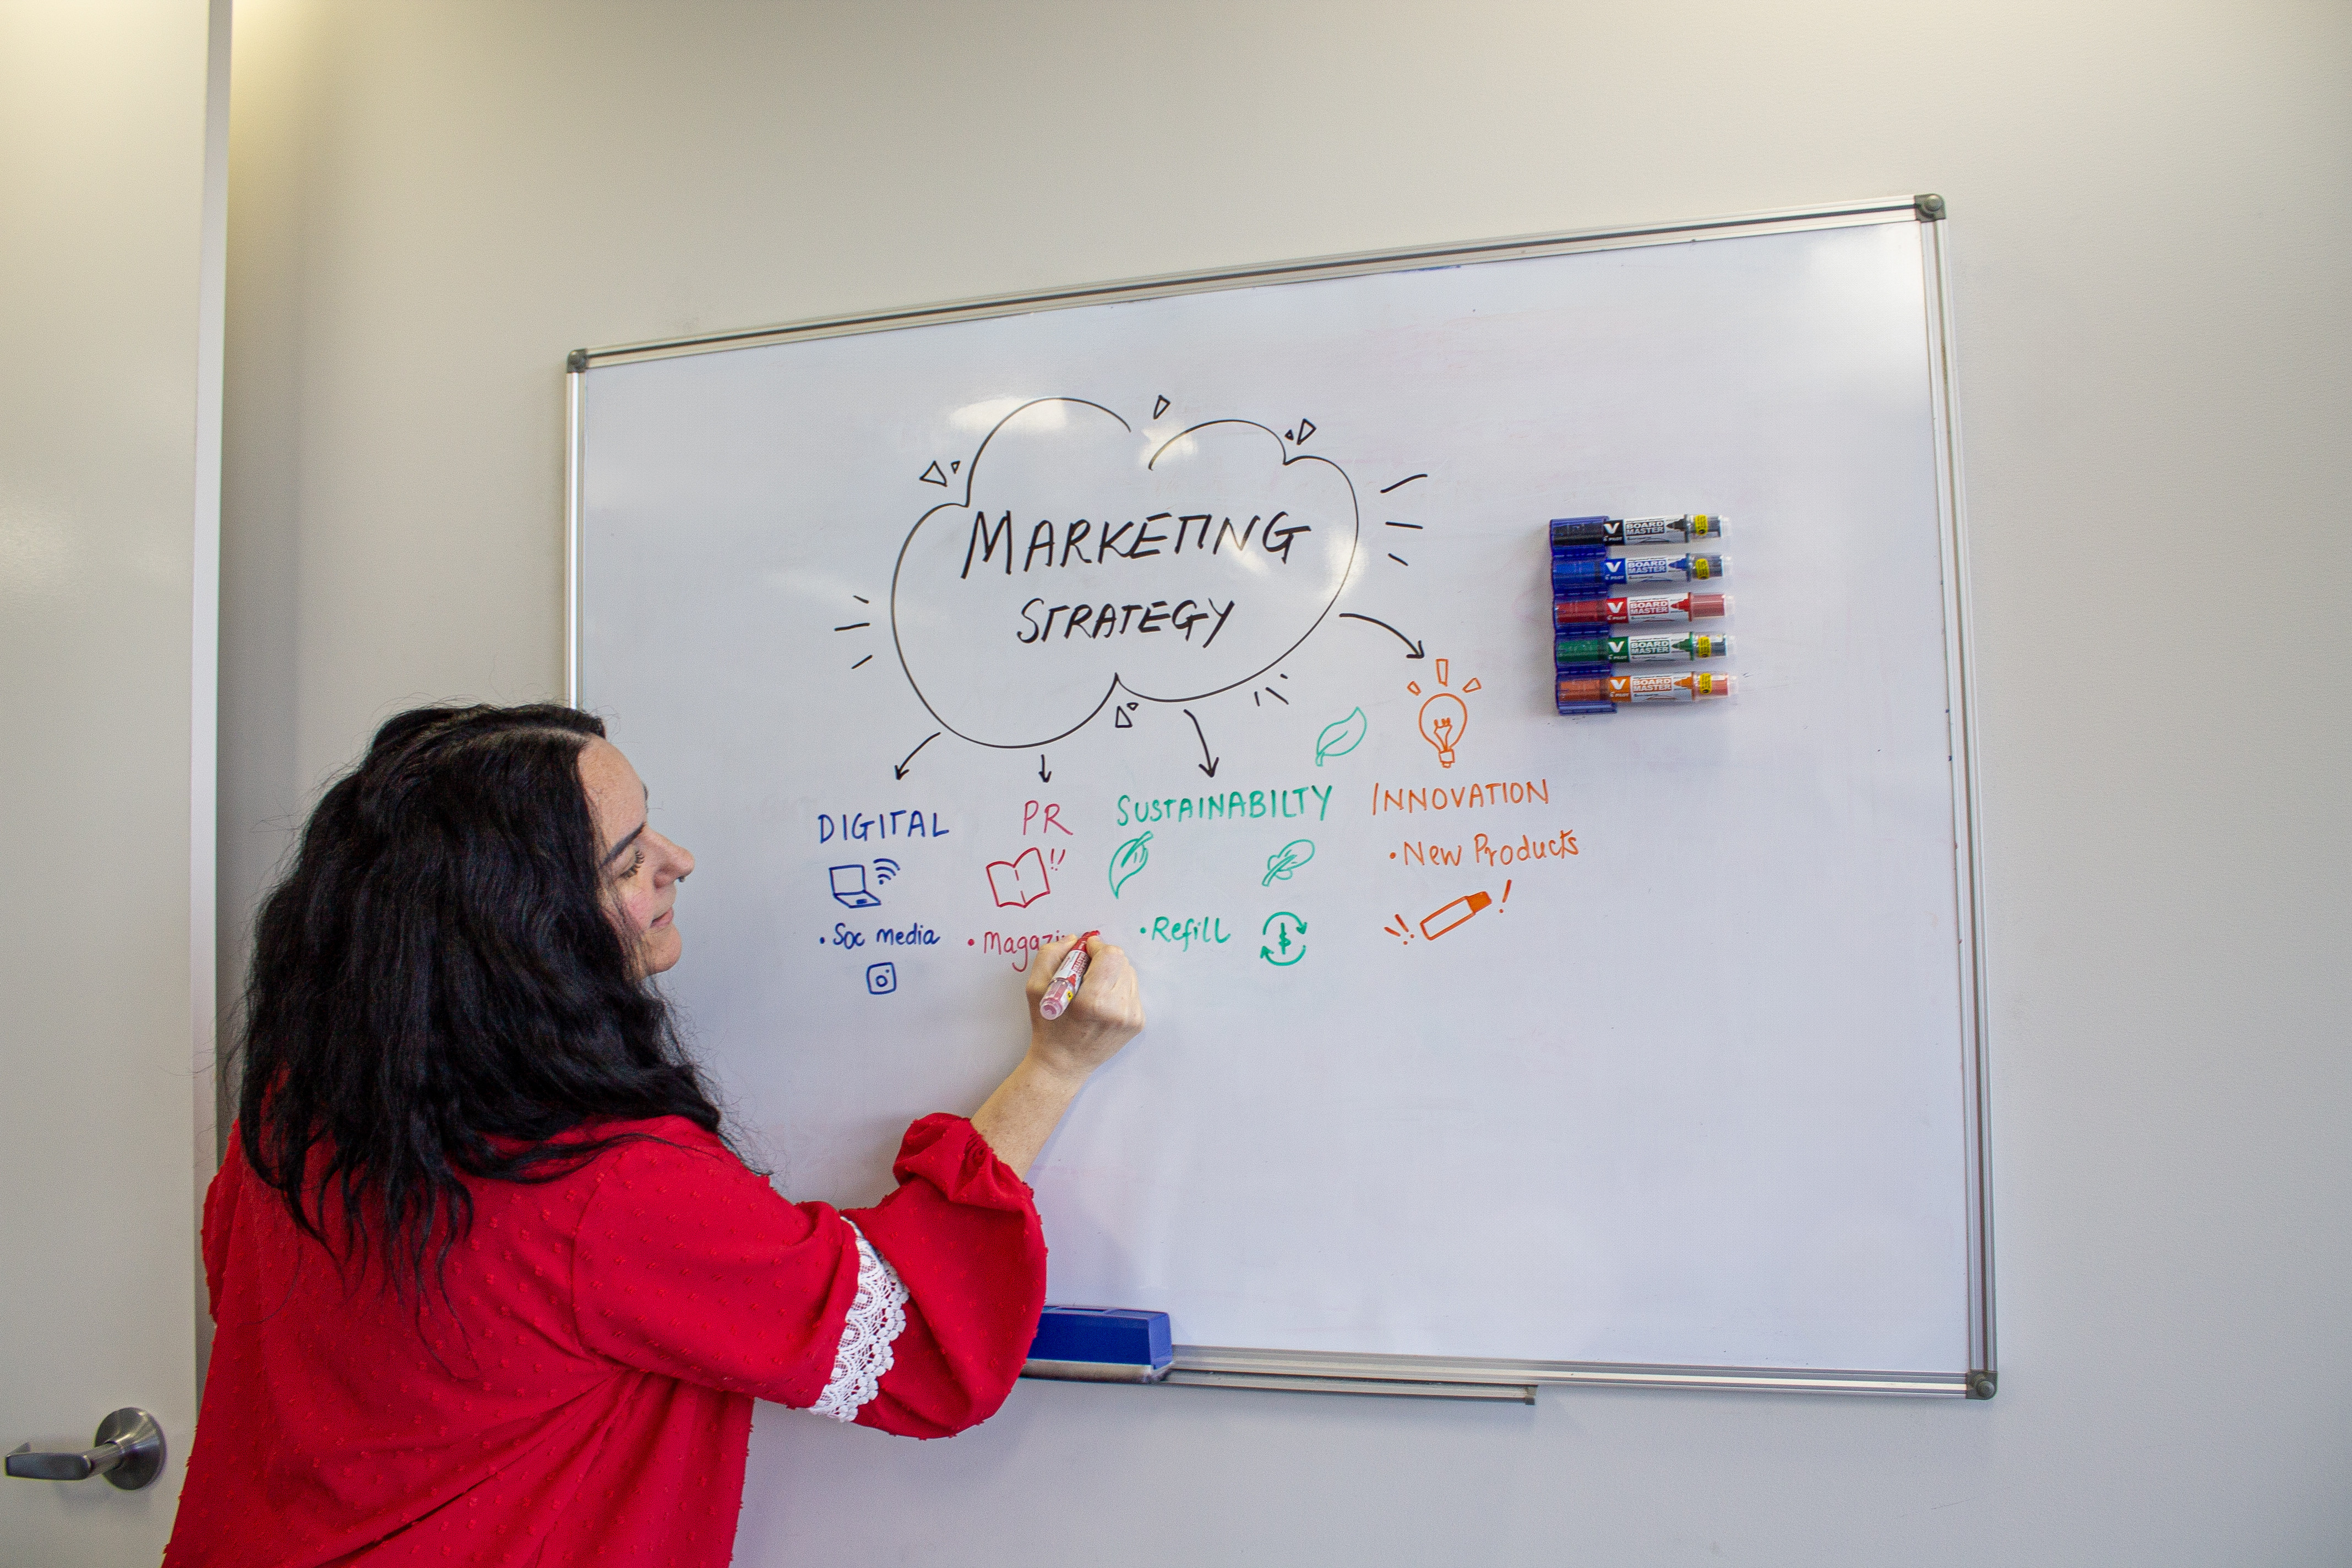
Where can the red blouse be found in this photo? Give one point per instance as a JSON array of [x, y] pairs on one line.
[[585, 1395]]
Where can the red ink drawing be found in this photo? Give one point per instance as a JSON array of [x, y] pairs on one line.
[[1017, 883]]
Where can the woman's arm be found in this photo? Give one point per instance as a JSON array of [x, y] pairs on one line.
[[1106, 1013]]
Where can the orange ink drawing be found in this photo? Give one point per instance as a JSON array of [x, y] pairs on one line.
[[1445, 917], [1443, 715]]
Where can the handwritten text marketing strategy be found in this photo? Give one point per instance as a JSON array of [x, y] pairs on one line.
[[1053, 547]]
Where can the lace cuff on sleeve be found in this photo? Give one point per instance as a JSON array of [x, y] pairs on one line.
[[876, 1318]]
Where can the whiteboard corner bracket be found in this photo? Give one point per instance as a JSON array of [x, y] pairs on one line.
[[1928, 206], [1983, 1385]]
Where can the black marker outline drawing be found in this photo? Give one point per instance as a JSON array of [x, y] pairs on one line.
[[900, 771], [1346, 572], [1402, 482], [1210, 766], [1416, 650]]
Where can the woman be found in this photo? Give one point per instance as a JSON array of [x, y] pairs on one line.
[[489, 1285]]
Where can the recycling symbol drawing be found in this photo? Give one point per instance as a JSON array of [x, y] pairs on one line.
[[1284, 950]]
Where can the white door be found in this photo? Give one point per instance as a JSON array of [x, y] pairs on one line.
[[109, 370]]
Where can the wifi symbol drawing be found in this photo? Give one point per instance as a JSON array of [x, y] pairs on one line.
[[884, 870]]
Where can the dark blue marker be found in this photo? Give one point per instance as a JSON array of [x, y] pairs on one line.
[[1625, 531], [1579, 571]]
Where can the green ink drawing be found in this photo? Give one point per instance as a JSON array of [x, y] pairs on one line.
[[1341, 736], [1286, 859], [1284, 953], [1131, 857]]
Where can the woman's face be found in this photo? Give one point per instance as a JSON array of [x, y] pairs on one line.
[[642, 868]]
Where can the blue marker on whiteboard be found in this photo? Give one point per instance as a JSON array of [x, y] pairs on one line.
[[1578, 570]]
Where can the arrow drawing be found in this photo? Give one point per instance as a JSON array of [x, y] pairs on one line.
[[1414, 650], [1043, 776], [898, 769], [1210, 766]]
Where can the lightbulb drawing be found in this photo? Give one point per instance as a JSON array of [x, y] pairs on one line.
[[1443, 719], [1443, 715]]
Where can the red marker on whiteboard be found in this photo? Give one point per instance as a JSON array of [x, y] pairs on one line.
[[1065, 984]]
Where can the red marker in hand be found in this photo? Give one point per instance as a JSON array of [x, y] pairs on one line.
[[1065, 984]]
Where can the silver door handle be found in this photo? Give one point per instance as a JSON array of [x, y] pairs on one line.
[[129, 1453]]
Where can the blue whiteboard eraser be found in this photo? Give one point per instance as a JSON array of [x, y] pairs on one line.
[[1101, 1344]]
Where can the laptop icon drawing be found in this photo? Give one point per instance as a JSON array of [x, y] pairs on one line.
[[849, 886]]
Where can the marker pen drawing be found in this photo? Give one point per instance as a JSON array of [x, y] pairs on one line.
[[1065, 984], [1644, 610], [1635, 529], [1580, 570]]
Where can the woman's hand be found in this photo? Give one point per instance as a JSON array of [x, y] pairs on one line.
[[1106, 1014]]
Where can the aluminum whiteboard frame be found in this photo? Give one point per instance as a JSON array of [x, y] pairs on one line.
[[1303, 1371]]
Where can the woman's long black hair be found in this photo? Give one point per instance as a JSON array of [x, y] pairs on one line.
[[437, 989]]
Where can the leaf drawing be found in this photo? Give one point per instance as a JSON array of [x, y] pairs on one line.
[[1131, 857], [1341, 736], [1286, 859]]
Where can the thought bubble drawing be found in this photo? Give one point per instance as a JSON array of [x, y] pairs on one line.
[[1086, 557]]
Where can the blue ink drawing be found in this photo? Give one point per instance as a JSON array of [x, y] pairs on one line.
[[849, 886]]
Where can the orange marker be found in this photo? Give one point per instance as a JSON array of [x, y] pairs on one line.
[[1065, 984], [1437, 923]]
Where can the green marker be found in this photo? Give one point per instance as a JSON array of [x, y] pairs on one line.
[[1650, 647]]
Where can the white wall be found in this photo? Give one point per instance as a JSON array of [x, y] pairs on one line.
[[431, 202]]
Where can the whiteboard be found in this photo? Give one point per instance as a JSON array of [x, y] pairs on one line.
[[1638, 1047]]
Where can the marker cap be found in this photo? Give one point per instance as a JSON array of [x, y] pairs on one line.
[[1576, 650], [1585, 575], [1580, 612], [1579, 531], [1580, 694]]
